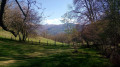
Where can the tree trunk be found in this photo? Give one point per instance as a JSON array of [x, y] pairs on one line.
[[88, 46], [19, 37], [2, 10]]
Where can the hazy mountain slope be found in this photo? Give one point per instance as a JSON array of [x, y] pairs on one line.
[[55, 29], [52, 29]]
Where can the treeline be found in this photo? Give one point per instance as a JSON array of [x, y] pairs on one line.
[[100, 21], [20, 17]]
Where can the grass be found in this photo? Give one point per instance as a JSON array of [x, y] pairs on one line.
[[18, 54], [5, 34], [24, 54]]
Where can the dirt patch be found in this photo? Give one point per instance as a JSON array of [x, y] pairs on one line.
[[7, 62]]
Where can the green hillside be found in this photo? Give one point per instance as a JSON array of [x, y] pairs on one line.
[[17, 54], [25, 54], [5, 34]]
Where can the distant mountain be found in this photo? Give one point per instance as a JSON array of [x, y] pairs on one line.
[[54, 29]]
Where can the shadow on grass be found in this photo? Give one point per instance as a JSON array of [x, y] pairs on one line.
[[10, 49], [15, 49], [63, 60]]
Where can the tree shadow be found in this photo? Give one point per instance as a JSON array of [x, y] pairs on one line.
[[63, 60]]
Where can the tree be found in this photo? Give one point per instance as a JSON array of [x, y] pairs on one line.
[[88, 10], [95, 10], [15, 21], [87, 13], [69, 20], [2, 10], [113, 14], [3, 4], [101, 19]]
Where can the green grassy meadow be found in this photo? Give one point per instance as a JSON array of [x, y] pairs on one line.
[[25, 54], [8, 35]]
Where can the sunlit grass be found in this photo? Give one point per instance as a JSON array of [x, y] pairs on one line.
[[5, 34], [25, 54], [15, 50], [18, 54]]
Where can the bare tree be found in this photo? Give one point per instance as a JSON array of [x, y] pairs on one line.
[[2, 10], [88, 10], [3, 4]]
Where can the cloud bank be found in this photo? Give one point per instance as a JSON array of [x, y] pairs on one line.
[[55, 21]]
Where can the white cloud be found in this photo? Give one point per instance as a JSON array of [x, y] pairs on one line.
[[57, 21], [53, 21], [69, 20]]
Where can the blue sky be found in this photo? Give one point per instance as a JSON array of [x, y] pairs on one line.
[[55, 9]]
